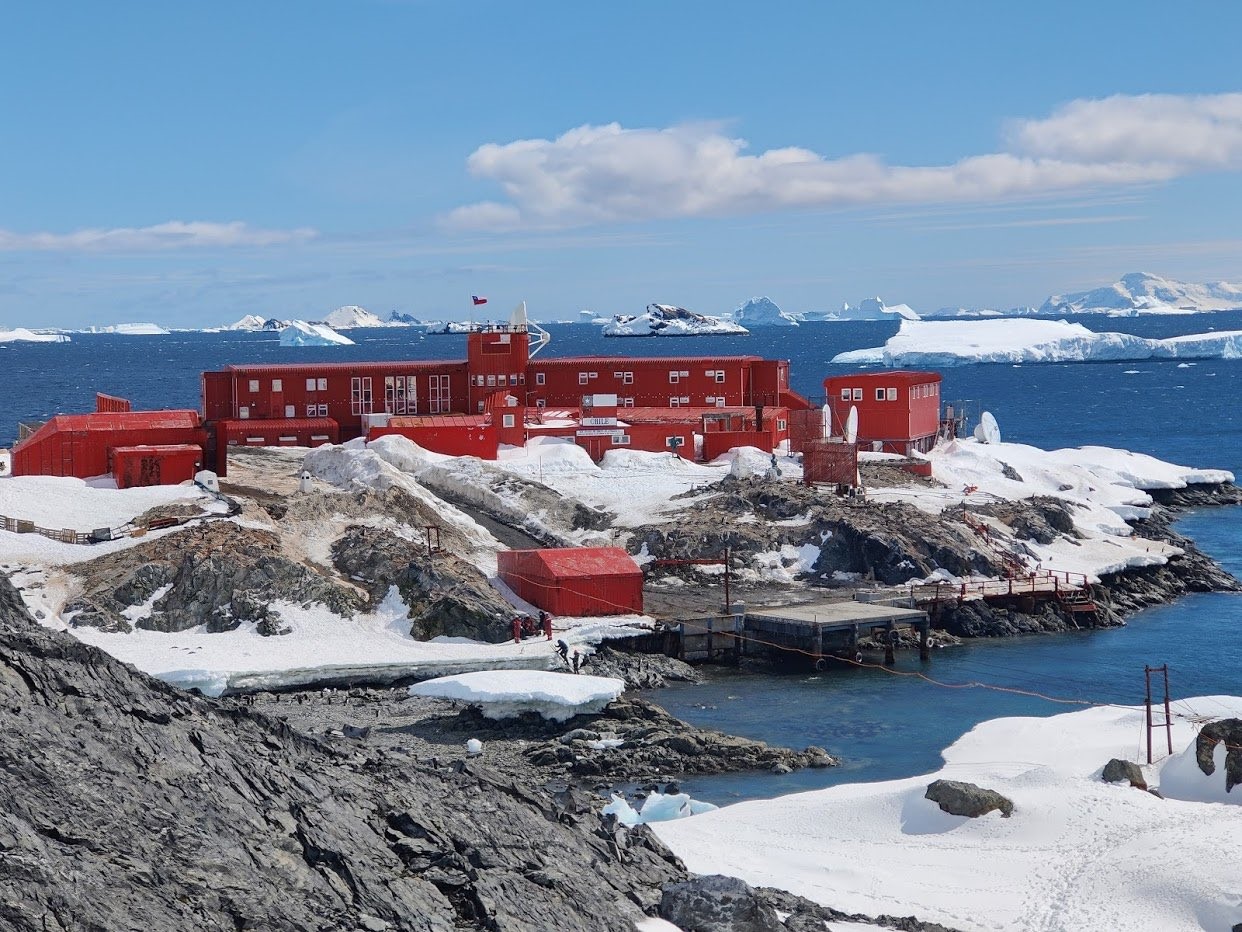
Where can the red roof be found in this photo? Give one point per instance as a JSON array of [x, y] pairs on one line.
[[441, 420], [887, 376], [640, 361], [127, 420], [164, 449], [388, 366], [587, 561], [283, 424]]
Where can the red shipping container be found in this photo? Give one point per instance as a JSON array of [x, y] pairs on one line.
[[575, 581], [169, 464]]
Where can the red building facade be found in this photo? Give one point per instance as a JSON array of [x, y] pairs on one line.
[[575, 581], [898, 410]]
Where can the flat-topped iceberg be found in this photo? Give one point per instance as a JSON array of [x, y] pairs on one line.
[[1009, 340], [557, 697], [866, 309], [300, 333], [665, 320], [22, 335]]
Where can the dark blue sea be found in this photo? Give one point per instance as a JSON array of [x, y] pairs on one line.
[[882, 726]]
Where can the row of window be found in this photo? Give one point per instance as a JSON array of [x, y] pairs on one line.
[[927, 390], [499, 381]]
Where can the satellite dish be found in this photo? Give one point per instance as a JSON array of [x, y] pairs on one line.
[[826, 421], [988, 431], [851, 425]]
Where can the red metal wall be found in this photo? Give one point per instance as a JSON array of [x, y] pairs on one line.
[[717, 442], [496, 360], [111, 404], [454, 435], [830, 462], [345, 392], [79, 444], [584, 581], [155, 465], [907, 421], [641, 382]]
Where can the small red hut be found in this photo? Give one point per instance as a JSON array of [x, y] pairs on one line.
[[575, 581], [898, 410]]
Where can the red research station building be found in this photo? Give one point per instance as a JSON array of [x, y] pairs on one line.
[[575, 581], [499, 395], [898, 410]]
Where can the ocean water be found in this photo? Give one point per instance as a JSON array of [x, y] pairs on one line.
[[882, 725]]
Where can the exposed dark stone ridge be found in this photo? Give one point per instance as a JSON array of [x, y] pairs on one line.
[[220, 574], [716, 903], [446, 595], [641, 671], [131, 805], [1124, 771], [966, 799], [1229, 732]]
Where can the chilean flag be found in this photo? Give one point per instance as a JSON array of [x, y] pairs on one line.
[[477, 300]]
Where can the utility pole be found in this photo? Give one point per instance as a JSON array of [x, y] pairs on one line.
[[1168, 713]]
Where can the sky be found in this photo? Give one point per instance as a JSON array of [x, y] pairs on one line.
[[189, 163]]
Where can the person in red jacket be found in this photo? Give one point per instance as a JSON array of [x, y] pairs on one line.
[[545, 622]]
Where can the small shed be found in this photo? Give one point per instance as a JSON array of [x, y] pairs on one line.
[[575, 581], [166, 464]]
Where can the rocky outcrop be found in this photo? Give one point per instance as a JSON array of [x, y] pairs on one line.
[[138, 806], [1226, 731], [642, 671], [966, 799], [218, 575], [716, 903], [1124, 771], [654, 745], [446, 595]]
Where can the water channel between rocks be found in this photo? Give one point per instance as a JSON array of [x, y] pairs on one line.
[[885, 726]]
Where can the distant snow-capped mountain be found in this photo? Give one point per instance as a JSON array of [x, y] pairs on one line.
[[763, 312], [352, 317], [1143, 293], [666, 320], [255, 323]]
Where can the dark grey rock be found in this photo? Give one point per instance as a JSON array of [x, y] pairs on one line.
[[966, 799], [447, 596], [131, 805], [642, 671], [716, 903], [1124, 771], [1229, 732]]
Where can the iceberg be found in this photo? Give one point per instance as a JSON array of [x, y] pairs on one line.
[[133, 330], [300, 333], [866, 309], [658, 807], [1009, 340], [667, 320], [1142, 293], [22, 335], [763, 312], [557, 697]]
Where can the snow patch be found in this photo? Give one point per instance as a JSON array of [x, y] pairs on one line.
[[501, 694]]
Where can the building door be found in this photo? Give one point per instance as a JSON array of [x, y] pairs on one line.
[[440, 401]]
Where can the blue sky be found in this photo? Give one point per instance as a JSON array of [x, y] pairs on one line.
[[189, 163]]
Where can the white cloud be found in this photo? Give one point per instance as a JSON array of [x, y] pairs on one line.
[[600, 174], [175, 234]]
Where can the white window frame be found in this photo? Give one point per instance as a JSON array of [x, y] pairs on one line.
[[879, 394], [627, 378], [674, 401], [892, 394], [673, 377], [254, 386], [321, 385], [583, 378], [857, 394], [244, 412], [506, 420], [782, 425], [720, 376], [310, 385], [290, 412], [278, 385], [845, 394], [323, 410], [311, 410], [538, 378]]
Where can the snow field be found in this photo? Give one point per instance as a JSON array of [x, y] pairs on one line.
[[1076, 855], [501, 694]]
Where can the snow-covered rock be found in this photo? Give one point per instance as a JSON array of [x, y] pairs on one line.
[[951, 343], [300, 333], [1143, 293], [352, 317], [22, 335], [557, 697], [665, 320], [763, 312], [253, 323]]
